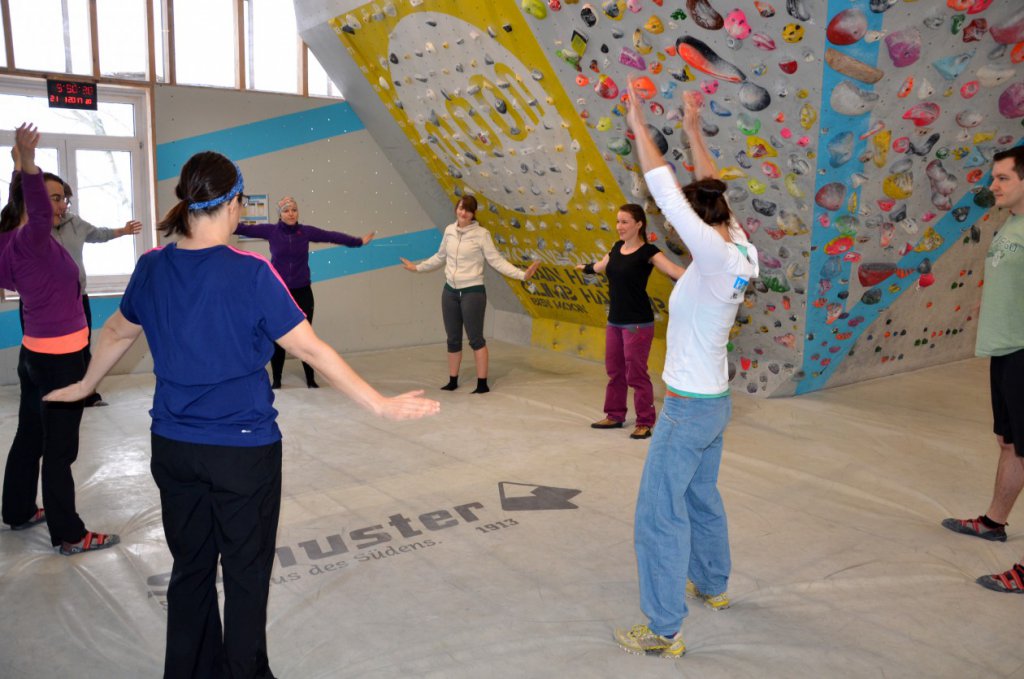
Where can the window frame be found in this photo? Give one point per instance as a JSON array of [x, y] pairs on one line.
[[142, 168], [162, 43]]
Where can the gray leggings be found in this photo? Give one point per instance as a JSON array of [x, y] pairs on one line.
[[464, 308]]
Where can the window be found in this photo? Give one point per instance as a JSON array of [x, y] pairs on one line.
[[320, 84], [205, 52], [271, 46], [52, 35], [3, 48], [160, 39], [57, 36], [113, 118], [122, 39], [100, 154]]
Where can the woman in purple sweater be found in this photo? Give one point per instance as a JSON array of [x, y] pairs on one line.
[[289, 253], [52, 356]]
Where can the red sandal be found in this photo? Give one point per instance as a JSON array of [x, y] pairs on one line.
[[90, 543], [1011, 581]]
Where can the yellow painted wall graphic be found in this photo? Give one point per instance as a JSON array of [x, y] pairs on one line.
[[475, 94]]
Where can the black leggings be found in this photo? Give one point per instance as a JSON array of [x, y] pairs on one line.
[[304, 298], [47, 435], [464, 308]]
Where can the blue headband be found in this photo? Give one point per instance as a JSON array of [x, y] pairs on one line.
[[235, 190]]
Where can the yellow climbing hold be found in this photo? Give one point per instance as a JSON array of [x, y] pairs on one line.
[[898, 186], [808, 116], [731, 172]]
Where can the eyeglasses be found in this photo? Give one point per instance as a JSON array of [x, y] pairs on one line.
[[59, 198], [243, 200]]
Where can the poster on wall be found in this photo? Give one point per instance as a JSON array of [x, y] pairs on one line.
[[257, 211]]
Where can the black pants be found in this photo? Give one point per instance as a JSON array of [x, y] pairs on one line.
[[47, 434], [218, 502], [304, 298], [1006, 375]]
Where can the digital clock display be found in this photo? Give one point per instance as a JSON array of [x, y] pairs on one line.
[[71, 94]]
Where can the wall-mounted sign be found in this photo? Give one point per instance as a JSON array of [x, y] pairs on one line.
[[257, 211], [71, 94]]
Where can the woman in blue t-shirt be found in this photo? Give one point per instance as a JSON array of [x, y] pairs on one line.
[[630, 320], [211, 315]]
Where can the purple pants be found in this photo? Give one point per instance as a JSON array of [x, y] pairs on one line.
[[625, 359]]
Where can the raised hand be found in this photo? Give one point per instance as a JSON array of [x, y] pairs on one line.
[[131, 228], [693, 102], [407, 265], [635, 118], [26, 138], [368, 237], [532, 269]]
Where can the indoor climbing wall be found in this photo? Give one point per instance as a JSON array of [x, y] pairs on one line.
[[855, 136]]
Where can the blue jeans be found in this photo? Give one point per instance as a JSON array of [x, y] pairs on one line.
[[680, 528]]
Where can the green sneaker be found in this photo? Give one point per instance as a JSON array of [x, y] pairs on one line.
[[642, 641], [716, 602]]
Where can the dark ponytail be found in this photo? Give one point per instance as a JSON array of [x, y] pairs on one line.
[[638, 215], [707, 197], [205, 177]]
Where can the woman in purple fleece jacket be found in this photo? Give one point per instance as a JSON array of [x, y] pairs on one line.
[[289, 253], [52, 356]]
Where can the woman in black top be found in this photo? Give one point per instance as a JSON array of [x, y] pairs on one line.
[[630, 320]]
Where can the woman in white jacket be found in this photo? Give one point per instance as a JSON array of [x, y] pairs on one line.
[[465, 247]]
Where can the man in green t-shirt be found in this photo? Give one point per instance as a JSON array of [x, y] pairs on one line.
[[1001, 336]]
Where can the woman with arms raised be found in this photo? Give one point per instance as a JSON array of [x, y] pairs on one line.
[[53, 354], [680, 530]]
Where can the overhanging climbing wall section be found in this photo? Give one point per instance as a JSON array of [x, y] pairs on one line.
[[855, 136]]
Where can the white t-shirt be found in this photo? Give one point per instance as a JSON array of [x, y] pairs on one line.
[[703, 304]]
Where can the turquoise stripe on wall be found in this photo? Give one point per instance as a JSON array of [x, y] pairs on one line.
[[325, 265], [330, 263], [261, 137]]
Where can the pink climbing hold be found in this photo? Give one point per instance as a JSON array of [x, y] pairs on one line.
[[923, 114], [1011, 31], [736, 24], [1011, 101], [904, 46]]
